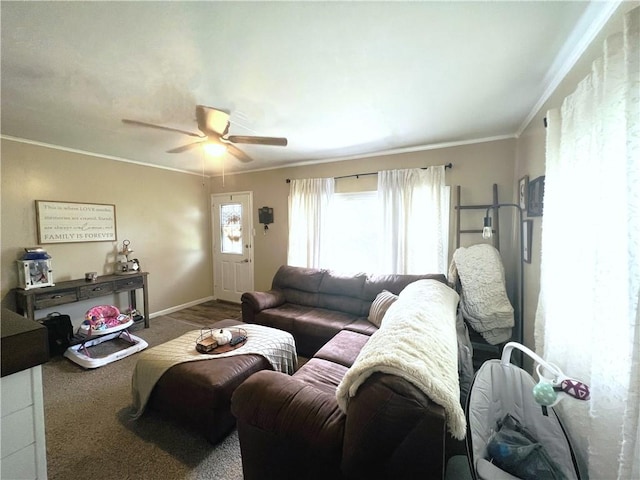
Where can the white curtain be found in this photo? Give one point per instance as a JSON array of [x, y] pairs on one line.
[[587, 319], [308, 205], [414, 223]]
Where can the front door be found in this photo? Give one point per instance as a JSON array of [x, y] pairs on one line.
[[232, 245]]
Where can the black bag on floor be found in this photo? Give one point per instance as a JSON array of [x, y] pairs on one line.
[[60, 332]]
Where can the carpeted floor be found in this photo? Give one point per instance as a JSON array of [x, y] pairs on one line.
[[90, 434]]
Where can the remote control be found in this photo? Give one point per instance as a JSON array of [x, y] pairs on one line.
[[236, 340]]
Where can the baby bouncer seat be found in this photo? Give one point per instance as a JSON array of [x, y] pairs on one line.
[[513, 430]]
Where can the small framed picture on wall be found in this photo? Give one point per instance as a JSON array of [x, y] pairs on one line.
[[523, 192], [535, 199], [527, 237]]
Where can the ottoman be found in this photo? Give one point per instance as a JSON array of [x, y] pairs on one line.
[[199, 393]]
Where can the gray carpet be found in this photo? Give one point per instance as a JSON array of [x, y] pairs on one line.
[[89, 432]]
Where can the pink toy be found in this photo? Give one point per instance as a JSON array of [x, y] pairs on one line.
[[103, 317]]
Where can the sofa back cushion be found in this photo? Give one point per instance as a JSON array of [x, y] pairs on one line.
[[299, 285], [297, 278], [349, 293], [394, 283], [342, 292]]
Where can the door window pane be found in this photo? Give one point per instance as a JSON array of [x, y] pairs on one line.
[[231, 228]]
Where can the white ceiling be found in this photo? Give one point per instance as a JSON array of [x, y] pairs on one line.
[[338, 79]]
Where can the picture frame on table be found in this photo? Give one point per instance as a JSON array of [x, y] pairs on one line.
[[523, 193], [535, 200], [527, 238]]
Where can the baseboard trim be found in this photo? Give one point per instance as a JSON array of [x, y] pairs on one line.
[[180, 307]]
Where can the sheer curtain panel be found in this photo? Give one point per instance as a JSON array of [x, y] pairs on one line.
[[587, 318], [414, 220], [308, 206]]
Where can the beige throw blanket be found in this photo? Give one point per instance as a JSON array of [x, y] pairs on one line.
[[277, 346], [417, 341], [483, 299]]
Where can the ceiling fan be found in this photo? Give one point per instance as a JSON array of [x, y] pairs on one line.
[[214, 125]]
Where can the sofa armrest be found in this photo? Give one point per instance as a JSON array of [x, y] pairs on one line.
[[259, 301], [295, 409], [255, 302], [287, 428], [393, 430]]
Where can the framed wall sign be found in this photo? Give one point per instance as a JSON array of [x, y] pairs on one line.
[[69, 222], [536, 197]]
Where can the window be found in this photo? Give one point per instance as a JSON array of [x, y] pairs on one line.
[[354, 228], [352, 240], [231, 228]]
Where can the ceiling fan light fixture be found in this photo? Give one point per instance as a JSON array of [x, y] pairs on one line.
[[214, 149], [214, 137]]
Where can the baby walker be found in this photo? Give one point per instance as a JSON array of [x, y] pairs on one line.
[[103, 323]]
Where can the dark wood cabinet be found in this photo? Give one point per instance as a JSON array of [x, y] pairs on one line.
[[62, 293]]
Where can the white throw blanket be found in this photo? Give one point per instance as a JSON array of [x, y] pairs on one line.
[[483, 300], [277, 346], [417, 341]]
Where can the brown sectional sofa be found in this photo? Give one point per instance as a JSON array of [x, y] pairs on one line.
[[291, 427], [315, 304]]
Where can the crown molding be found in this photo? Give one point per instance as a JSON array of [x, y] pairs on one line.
[[590, 24], [97, 155], [397, 151]]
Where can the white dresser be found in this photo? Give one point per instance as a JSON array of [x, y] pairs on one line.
[[24, 348], [24, 454]]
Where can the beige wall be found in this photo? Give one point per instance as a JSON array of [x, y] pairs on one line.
[[163, 213], [476, 168]]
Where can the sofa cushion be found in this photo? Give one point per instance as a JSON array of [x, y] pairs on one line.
[[394, 283], [334, 283], [310, 327], [298, 278], [343, 348], [313, 329], [380, 306], [363, 326], [340, 303], [322, 375]]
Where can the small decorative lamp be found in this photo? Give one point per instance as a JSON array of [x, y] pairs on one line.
[[487, 231]]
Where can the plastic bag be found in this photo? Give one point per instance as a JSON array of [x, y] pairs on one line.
[[516, 451]]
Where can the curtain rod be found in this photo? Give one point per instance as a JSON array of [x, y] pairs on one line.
[[448, 165]]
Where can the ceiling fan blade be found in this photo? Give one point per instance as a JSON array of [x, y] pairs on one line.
[[160, 127], [184, 148], [277, 141], [212, 121], [239, 154]]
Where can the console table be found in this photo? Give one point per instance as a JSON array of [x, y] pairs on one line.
[[62, 293]]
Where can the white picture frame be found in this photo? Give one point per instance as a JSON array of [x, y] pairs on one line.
[[71, 222], [527, 237], [523, 193]]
